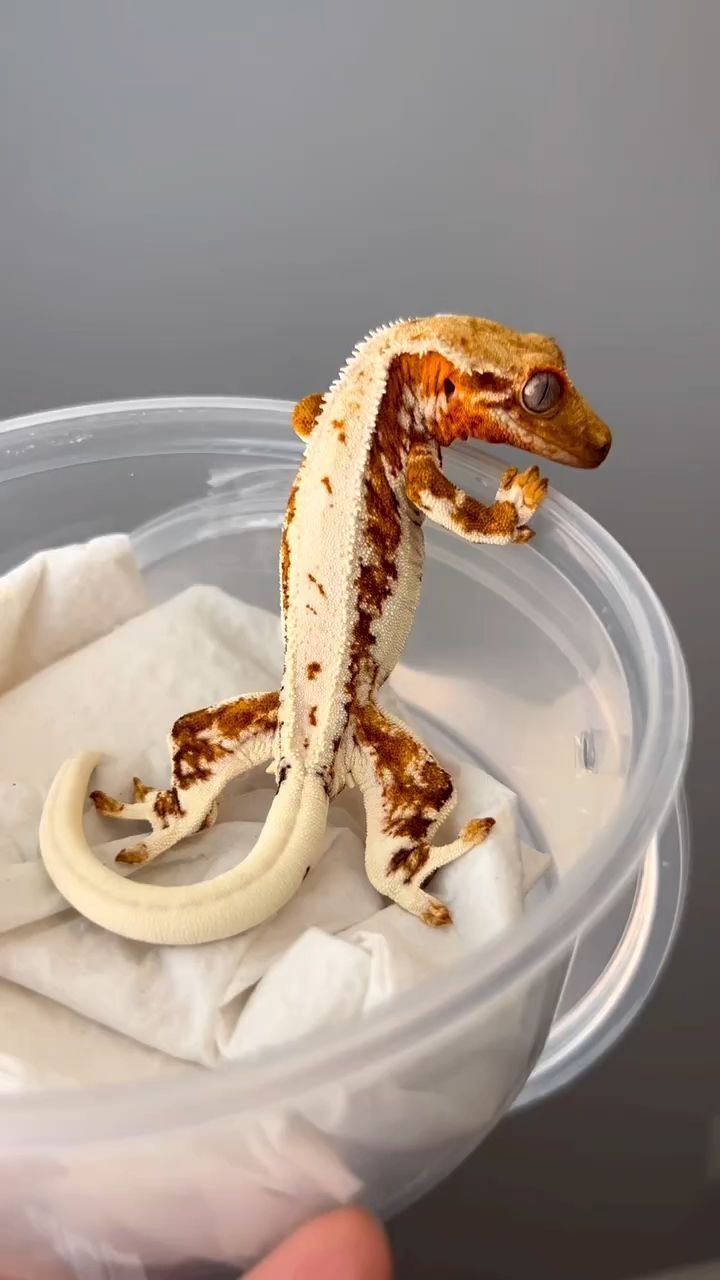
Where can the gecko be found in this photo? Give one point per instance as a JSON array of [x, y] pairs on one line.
[[351, 564]]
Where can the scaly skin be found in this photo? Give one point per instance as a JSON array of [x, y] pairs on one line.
[[350, 566]]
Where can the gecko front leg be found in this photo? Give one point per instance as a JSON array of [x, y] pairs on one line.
[[517, 499], [305, 415]]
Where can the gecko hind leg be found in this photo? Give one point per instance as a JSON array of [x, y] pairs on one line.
[[208, 748], [407, 797]]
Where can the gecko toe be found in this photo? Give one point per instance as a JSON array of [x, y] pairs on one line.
[[133, 857], [436, 914]]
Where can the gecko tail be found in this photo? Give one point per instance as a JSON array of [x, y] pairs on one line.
[[289, 844]]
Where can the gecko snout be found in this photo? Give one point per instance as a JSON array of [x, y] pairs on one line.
[[594, 444], [602, 450]]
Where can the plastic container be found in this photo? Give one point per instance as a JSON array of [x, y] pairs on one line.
[[583, 710]]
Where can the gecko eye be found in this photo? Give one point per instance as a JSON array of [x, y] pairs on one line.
[[449, 388], [542, 392]]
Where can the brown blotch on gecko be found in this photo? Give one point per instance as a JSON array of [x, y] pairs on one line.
[[105, 803], [284, 544], [405, 768], [471, 516], [377, 574], [409, 861], [317, 584], [167, 805], [194, 753]]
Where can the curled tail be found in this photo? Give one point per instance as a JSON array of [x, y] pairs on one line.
[[289, 843]]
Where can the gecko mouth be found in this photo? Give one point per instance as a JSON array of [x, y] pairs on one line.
[[587, 457], [585, 453]]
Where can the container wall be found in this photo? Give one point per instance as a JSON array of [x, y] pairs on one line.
[[224, 1190]]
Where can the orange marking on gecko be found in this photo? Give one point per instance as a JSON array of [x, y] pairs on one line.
[[436, 915], [313, 670], [415, 788], [195, 753], [378, 571], [317, 584], [167, 805], [285, 546], [471, 516], [409, 861], [105, 803], [326, 481], [312, 715], [133, 857]]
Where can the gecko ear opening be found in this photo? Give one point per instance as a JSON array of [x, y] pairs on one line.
[[449, 388]]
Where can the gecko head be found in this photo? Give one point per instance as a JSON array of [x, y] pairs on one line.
[[494, 384]]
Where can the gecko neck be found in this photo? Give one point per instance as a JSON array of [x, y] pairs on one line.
[[413, 400]]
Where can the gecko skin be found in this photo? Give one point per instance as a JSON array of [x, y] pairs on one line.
[[350, 568]]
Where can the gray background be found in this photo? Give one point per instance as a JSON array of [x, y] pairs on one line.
[[222, 197]]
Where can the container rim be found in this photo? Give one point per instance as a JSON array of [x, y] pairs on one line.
[[70, 1117]]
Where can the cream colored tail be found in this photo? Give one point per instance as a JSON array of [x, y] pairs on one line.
[[182, 915]]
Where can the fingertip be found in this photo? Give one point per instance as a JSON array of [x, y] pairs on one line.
[[362, 1234], [346, 1244]]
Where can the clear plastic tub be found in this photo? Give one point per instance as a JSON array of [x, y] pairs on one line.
[[582, 710]]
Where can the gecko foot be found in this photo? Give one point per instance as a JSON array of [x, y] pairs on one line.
[[409, 871], [435, 913], [526, 490], [161, 809], [472, 834], [171, 822], [134, 856]]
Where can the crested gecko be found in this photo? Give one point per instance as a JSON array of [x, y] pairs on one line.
[[351, 559]]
